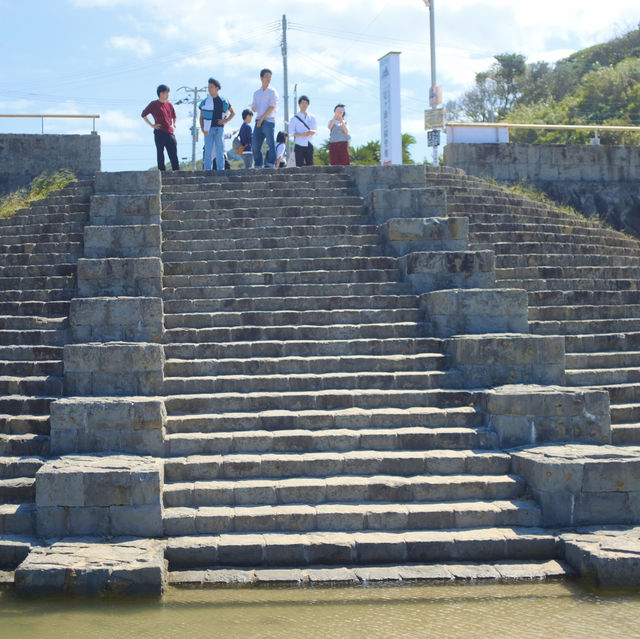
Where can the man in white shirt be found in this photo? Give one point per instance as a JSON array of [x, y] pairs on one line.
[[265, 101], [302, 128]]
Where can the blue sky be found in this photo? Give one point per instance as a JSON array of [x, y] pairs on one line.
[[108, 56]]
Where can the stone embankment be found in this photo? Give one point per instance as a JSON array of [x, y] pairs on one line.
[[312, 375]]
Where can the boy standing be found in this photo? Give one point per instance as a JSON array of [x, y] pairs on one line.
[[163, 126], [265, 100], [212, 121], [245, 138], [302, 128]]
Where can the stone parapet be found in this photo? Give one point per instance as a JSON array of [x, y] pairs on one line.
[[581, 484], [134, 425], [523, 415], [434, 270], [476, 311], [120, 277], [369, 178], [123, 241], [387, 203], [495, 360], [106, 319], [406, 235], [102, 495], [128, 183], [113, 368]]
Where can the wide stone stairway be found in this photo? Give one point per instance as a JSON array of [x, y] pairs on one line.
[[324, 374]]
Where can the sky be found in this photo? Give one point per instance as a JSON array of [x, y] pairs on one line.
[[107, 57]]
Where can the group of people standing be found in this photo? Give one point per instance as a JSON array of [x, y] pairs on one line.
[[216, 112]]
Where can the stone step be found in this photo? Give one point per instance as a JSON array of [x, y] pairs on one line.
[[300, 253], [563, 260], [16, 490], [7, 233], [261, 186], [291, 318], [290, 197], [56, 239], [260, 291], [26, 445], [73, 214], [37, 282], [349, 548], [12, 368], [25, 405], [550, 247], [584, 327], [43, 385], [613, 359], [291, 383], [348, 517], [39, 295], [602, 312], [625, 434], [586, 284], [359, 463], [42, 309], [326, 400], [268, 265], [578, 227], [419, 362], [263, 217], [24, 424], [626, 413], [395, 330], [38, 245], [601, 376], [367, 276], [15, 519], [450, 438], [38, 270], [621, 394], [15, 337], [302, 348], [41, 259], [30, 353], [568, 272], [309, 303], [602, 342], [32, 322]]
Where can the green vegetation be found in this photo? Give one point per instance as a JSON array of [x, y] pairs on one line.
[[598, 85], [42, 186], [366, 155]]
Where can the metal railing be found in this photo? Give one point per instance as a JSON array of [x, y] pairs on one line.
[[596, 128], [43, 116]]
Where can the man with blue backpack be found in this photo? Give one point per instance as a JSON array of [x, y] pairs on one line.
[[215, 112]]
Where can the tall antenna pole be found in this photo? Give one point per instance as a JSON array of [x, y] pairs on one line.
[[285, 72], [194, 127]]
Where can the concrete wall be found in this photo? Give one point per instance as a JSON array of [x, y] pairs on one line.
[[24, 156], [596, 180]]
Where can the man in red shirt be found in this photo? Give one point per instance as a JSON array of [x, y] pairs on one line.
[[164, 117]]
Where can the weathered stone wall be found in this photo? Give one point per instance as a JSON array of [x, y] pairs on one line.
[[596, 180], [24, 157]]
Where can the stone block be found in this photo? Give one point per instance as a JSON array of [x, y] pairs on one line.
[[86, 491], [130, 241], [476, 311], [141, 276], [112, 209], [496, 360], [581, 484], [434, 270], [406, 235], [385, 204], [90, 567], [530, 414], [128, 182], [369, 178]]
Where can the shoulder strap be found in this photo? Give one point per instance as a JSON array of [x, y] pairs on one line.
[[303, 122]]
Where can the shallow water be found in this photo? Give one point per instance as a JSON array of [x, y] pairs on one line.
[[563, 609]]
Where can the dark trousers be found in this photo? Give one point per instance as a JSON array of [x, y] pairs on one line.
[[167, 141], [304, 155]]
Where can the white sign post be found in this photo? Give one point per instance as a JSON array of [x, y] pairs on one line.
[[390, 128]]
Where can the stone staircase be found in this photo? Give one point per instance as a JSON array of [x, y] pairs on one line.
[[583, 282], [311, 418], [40, 247]]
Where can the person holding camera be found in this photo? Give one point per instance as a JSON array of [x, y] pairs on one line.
[[302, 128], [339, 138]]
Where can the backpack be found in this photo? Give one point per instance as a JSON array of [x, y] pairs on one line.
[[236, 145]]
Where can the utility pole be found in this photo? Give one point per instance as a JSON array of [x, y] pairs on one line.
[[194, 127], [433, 91], [295, 98], [285, 72]]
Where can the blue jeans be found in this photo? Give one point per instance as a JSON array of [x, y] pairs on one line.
[[261, 133], [214, 141]]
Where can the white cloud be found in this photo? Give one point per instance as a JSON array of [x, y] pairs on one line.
[[139, 46]]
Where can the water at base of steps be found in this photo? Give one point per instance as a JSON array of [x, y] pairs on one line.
[[525, 610]]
